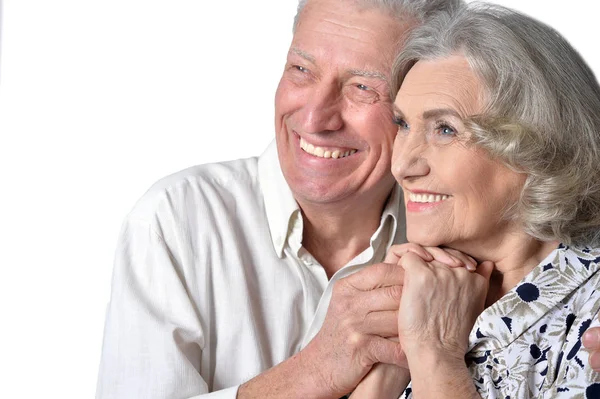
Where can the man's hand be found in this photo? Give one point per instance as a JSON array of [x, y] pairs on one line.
[[591, 340], [362, 314]]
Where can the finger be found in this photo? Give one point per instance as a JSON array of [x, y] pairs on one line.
[[397, 251], [383, 350], [445, 257], [376, 276], [412, 263], [468, 261], [594, 360], [380, 299], [591, 338], [485, 269], [383, 323]]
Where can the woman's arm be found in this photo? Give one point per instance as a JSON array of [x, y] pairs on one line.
[[389, 381], [438, 308]]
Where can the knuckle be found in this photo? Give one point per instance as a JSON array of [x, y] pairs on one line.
[[381, 272], [395, 292], [356, 340]]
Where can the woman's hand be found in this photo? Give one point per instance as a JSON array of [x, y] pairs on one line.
[[449, 257], [386, 380], [438, 309]]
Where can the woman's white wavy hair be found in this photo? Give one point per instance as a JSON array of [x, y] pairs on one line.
[[542, 115]]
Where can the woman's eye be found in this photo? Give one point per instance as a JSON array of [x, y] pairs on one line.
[[401, 123], [446, 130]]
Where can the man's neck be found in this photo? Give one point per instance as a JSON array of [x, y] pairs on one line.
[[336, 234]]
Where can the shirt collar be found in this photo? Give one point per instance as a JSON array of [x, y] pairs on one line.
[[280, 205], [279, 200], [394, 210], [564, 271]]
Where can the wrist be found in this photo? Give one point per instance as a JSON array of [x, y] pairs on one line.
[[292, 378], [434, 352], [440, 374]]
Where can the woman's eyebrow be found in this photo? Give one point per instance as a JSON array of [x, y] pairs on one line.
[[436, 113]]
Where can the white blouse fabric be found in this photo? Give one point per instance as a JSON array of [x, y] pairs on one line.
[[528, 343]]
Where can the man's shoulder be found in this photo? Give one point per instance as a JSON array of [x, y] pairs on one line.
[[198, 187]]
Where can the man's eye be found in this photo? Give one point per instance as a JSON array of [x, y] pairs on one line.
[[300, 68], [362, 87]]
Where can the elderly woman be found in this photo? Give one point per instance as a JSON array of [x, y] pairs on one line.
[[498, 155]]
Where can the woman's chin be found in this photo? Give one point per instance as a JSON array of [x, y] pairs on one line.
[[423, 240]]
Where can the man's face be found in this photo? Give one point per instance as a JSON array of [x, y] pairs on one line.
[[333, 113]]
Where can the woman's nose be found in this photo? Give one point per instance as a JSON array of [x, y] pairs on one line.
[[408, 160]]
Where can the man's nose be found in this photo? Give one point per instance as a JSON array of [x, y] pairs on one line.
[[408, 158], [322, 110]]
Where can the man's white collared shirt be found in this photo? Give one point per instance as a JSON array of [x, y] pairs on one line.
[[211, 285]]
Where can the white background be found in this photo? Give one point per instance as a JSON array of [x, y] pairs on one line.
[[99, 99]]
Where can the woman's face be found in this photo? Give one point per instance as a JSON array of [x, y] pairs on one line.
[[455, 194]]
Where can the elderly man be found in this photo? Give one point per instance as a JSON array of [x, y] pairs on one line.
[[231, 279]]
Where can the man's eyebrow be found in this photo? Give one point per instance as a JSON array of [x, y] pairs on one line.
[[303, 54], [369, 74], [354, 72]]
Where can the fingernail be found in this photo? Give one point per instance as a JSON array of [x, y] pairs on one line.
[[456, 261], [595, 361], [471, 267], [590, 339]]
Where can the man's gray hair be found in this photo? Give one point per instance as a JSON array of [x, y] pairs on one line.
[[403, 9], [542, 114]]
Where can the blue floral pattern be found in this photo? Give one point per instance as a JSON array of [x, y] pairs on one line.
[[528, 343]]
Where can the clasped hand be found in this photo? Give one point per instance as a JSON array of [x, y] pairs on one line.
[[425, 298]]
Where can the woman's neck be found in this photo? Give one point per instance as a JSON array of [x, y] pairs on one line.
[[514, 255]]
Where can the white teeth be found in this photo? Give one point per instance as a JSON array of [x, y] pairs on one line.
[[323, 153], [427, 198]]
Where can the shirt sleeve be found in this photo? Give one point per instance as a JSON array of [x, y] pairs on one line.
[[153, 337]]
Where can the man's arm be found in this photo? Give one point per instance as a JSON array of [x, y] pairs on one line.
[[154, 335], [153, 338]]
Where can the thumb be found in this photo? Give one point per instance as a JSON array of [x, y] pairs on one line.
[[485, 269]]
